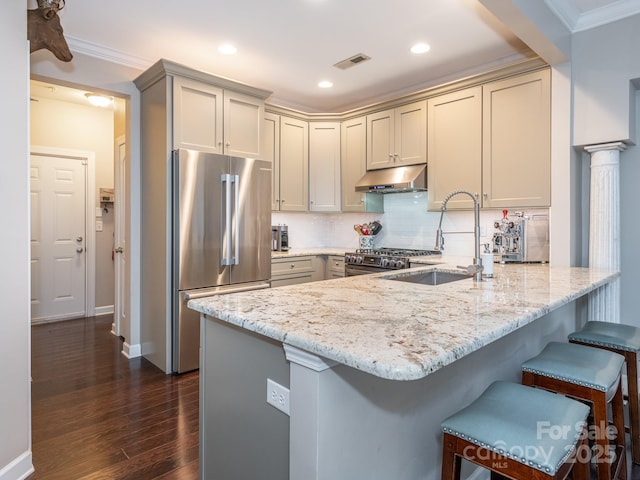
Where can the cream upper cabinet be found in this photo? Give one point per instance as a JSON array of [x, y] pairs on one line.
[[397, 136], [271, 152], [454, 147], [324, 166], [294, 165], [197, 116], [243, 120], [211, 119], [517, 141], [354, 162]]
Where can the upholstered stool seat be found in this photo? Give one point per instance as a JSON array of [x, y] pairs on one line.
[[592, 375], [513, 430], [624, 340]]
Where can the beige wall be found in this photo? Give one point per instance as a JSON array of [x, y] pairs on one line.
[[78, 127], [15, 350]]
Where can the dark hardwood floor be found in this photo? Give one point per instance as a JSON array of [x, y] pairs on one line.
[[98, 415]]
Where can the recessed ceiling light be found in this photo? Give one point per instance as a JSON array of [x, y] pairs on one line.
[[98, 100], [227, 49], [325, 84], [420, 48]]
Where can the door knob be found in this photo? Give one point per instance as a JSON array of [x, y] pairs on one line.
[[119, 250], [79, 250], [78, 239]]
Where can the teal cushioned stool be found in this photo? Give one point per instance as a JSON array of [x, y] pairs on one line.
[[513, 430], [592, 375], [624, 340]]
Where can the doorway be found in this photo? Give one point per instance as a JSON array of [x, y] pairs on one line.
[[61, 117]]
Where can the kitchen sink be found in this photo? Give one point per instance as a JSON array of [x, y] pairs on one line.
[[432, 277]]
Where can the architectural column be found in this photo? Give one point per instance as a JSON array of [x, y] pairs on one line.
[[604, 227]]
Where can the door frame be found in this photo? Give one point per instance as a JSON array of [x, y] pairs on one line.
[[120, 232], [90, 212]]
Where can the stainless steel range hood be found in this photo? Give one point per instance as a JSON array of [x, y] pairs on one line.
[[394, 180]]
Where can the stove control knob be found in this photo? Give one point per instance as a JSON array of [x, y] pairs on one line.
[[359, 259], [384, 262], [400, 264], [392, 263]]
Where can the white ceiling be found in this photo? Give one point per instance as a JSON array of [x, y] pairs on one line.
[[288, 46]]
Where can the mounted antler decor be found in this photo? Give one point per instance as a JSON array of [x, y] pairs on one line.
[[44, 29]]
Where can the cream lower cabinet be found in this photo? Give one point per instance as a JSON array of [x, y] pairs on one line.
[[354, 162], [294, 270], [397, 137], [335, 267], [324, 166], [454, 147], [212, 119], [516, 147]]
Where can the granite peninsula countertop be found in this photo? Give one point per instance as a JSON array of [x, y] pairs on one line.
[[398, 330]]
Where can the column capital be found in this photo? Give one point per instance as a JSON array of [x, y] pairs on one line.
[[619, 146], [307, 359]]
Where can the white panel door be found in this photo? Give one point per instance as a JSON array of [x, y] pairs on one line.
[[58, 258], [121, 318]]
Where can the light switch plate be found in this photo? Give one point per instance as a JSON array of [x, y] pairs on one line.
[[98, 225]]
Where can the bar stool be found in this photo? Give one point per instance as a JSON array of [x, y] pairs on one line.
[[501, 431], [592, 375], [624, 340]]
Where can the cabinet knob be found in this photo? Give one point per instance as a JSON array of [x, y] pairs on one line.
[[391, 155], [292, 265], [227, 144], [485, 195]]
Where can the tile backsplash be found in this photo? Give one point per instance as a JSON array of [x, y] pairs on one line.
[[405, 223]]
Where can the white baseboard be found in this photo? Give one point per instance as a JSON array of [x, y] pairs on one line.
[[131, 351], [19, 469], [104, 310]]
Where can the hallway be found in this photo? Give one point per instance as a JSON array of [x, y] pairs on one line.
[[98, 415]]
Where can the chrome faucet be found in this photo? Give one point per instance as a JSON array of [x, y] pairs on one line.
[[476, 268]]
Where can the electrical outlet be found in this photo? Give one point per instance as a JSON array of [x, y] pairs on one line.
[[278, 396]]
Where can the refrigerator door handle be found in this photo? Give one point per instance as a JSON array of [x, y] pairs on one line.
[[227, 234], [236, 231]]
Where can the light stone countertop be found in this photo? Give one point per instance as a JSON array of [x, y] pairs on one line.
[[398, 330]]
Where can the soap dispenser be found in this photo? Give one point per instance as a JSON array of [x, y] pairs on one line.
[[487, 262]]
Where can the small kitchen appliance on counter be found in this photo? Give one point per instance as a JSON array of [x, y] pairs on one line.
[[521, 238], [279, 238], [362, 262]]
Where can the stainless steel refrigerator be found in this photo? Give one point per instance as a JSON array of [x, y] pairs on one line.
[[221, 219]]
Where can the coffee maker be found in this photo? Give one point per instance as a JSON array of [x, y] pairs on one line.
[[521, 238], [279, 238]]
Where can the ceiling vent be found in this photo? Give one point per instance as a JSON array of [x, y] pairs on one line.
[[352, 61]]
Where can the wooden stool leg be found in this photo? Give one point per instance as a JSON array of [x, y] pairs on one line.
[[617, 411], [581, 468], [634, 416], [450, 461], [601, 443]]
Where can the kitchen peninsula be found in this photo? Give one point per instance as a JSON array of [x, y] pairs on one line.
[[373, 365]]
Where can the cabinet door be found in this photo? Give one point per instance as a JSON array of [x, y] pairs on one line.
[[380, 139], [410, 145], [243, 121], [197, 116], [271, 152], [294, 164], [354, 163], [517, 142], [454, 143], [324, 166]]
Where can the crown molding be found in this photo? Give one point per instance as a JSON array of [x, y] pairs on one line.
[[108, 54], [568, 12]]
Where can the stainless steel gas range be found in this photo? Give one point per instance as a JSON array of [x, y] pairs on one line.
[[362, 262]]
